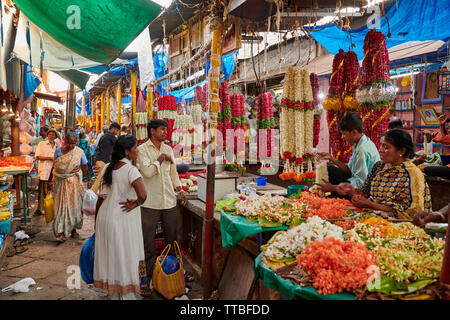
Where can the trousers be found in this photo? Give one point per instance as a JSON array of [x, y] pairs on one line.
[[150, 219]]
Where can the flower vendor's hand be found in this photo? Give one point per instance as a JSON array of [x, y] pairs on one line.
[[161, 158], [360, 201], [325, 156], [326, 187], [345, 188], [419, 218], [183, 198]]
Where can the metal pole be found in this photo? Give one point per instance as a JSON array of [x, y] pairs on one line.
[[216, 57]]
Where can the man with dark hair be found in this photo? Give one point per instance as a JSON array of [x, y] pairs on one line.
[[157, 166], [42, 136], [365, 155], [104, 151], [395, 123]]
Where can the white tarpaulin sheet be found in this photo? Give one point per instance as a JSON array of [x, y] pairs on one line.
[[145, 59]]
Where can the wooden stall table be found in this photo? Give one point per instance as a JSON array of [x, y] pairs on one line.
[[23, 176]]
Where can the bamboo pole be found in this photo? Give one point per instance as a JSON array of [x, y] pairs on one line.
[[133, 102], [119, 104], [216, 57]]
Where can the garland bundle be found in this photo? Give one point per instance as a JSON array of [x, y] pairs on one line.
[[182, 135], [141, 126], [196, 113], [296, 123], [376, 57], [167, 110], [265, 122], [201, 95], [238, 120], [225, 110]]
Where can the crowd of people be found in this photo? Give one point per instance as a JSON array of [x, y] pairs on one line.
[[126, 216]]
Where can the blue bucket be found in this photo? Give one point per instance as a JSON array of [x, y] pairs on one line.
[[261, 181]]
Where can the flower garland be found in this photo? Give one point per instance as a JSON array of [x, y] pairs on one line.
[[196, 113], [141, 126], [167, 110], [183, 133], [238, 121], [225, 111]]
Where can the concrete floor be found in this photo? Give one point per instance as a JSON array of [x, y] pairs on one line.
[[47, 263]]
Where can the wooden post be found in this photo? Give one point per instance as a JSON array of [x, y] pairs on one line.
[[133, 102], [208, 238], [119, 104]]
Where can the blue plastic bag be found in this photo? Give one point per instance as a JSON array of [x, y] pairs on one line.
[[170, 265], [87, 260]]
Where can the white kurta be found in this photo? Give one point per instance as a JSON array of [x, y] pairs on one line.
[[119, 246]]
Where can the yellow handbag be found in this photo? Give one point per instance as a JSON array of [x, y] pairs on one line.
[[169, 285], [48, 207]]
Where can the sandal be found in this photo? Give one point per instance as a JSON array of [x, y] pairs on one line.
[[21, 249], [60, 239], [146, 292]]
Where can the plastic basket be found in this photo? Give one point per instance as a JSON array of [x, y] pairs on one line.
[[295, 189]]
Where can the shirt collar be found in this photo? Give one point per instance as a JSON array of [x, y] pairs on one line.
[[150, 144], [363, 139]]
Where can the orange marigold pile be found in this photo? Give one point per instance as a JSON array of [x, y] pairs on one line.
[[325, 208], [336, 265]]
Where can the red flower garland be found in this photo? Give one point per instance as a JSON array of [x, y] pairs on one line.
[[352, 72], [337, 83]]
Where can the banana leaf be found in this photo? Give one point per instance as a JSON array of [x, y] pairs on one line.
[[226, 205], [390, 286], [263, 222]]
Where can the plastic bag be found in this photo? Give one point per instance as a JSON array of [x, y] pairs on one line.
[[24, 138], [89, 202], [87, 260], [25, 149], [48, 207], [24, 126], [170, 265], [20, 286]]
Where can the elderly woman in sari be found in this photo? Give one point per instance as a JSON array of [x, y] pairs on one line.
[[395, 187], [68, 195]]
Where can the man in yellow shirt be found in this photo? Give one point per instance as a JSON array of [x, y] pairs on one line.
[[157, 165]]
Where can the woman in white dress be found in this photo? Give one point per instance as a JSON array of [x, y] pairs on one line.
[[119, 246]]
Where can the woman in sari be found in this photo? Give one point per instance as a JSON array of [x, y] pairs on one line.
[[119, 262], [395, 188], [68, 195], [83, 144]]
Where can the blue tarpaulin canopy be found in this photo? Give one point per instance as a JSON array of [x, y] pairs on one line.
[[30, 83], [187, 93], [413, 20]]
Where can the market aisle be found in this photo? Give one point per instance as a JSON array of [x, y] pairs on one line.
[[47, 263]]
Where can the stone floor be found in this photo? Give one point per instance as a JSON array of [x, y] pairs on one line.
[[47, 263]]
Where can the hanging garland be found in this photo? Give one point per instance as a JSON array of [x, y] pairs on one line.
[[141, 126], [167, 111], [196, 113], [183, 133], [238, 122]]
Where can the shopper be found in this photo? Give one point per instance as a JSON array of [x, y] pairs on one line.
[[83, 144], [157, 165], [365, 155], [119, 248], [45, 155], [91, 135], [42, 136], [69, 191], [124, 130], [396, 188], [104, 150]]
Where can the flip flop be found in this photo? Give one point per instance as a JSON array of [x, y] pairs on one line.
[[21, 249]]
